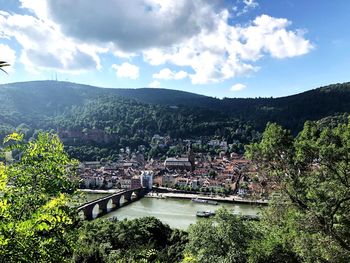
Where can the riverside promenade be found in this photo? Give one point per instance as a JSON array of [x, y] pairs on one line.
[[226, 199], [170, 193]]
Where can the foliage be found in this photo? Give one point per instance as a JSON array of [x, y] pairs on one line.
[[312, 172], [131, 117], [139, 240], [36, 223], [104, 122], [223, 238]]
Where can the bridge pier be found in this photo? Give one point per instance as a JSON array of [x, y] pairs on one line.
[[127, 197], [115, 202], [103, 207]]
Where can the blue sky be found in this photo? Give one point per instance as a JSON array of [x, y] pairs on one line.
[[238, 48]]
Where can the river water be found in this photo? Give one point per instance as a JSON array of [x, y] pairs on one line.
[[177, 213]]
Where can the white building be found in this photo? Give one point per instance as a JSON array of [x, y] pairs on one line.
[[147, 179], [214, 143]]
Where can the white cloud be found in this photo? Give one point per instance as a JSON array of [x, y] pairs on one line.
[[8, 55], [127, 70], [154, 84], [238, 87], [133, 25], [211, 55], [194, 34], [269, 35], [230, 51], [45, 47], [38, 7], [166, 73]]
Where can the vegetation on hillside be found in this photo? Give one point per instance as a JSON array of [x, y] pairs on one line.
[[125, 117], [119, 122]]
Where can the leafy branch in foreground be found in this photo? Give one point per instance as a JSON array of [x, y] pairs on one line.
[[35, 220], [312, 215]]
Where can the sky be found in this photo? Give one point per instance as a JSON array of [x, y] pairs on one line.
[[219, 48]]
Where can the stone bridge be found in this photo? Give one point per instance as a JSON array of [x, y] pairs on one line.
[[104, 205]]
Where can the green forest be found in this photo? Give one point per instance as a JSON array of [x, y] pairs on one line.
[[308, 221], [121, 118]]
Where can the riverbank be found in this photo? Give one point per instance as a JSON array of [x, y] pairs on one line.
[[171, 193], [225, 199]]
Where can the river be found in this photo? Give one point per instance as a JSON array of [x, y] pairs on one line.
[[177, 213]]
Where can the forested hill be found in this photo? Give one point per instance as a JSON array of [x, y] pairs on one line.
[[37, 100], [291, 111]]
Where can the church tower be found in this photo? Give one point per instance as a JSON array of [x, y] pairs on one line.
[[190, 156]]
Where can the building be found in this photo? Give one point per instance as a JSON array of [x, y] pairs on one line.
[[130, 164], [158, 140], [214, 143], [182, 163], [92, 165], [135, 182], [125, 183], [194, 184], [168, 180], [147, 179], [182, 181]]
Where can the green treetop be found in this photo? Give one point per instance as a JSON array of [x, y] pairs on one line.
[[312, 171], [35, 220]]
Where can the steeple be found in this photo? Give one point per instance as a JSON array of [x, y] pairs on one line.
[[191, 156]]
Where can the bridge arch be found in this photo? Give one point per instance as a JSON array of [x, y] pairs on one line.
[[110, 205], [122, 200], [95, 211], [135, 195]]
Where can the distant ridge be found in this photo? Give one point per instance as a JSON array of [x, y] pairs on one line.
[[46, 98]]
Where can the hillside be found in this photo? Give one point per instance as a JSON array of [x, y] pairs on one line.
[[293, 111], [96, 122], [37, 100]]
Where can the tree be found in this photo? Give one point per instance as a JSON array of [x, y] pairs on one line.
[[223, 238], [312, 172], [212, 174], [36, 224], [140, 240]]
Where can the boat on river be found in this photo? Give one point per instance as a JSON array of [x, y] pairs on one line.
[[156, 195], [207, 213], [204, 201], [197, 200]]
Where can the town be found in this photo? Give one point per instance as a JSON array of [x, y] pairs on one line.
[[222, 173]]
